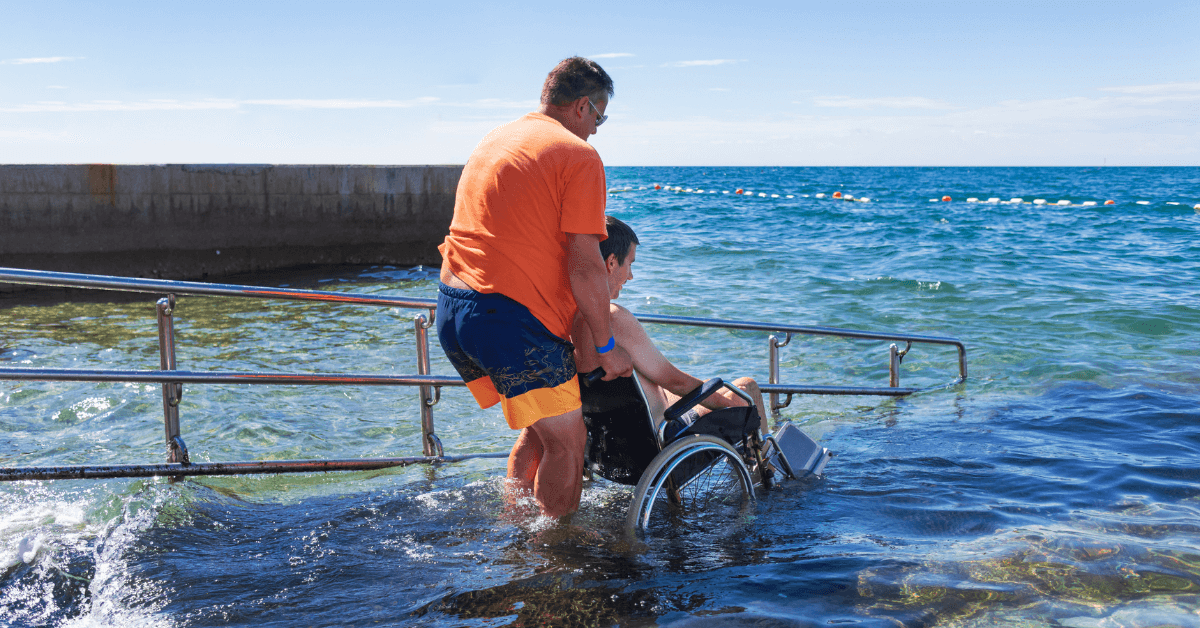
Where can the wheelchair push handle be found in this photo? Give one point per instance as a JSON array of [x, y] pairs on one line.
[[594, 376]]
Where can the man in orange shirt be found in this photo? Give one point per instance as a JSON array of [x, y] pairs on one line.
[[522, 257]]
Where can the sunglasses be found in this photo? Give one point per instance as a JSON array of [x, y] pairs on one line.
[[599, 118]]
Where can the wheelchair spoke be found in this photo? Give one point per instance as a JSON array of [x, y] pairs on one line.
[[713, 486], [716, 483]]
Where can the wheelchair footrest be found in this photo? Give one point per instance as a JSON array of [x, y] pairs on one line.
[[796, 453]]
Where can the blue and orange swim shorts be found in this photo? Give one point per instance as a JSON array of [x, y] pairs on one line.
[[507, 356]]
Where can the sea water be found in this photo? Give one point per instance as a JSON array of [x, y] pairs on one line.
[[1058, 486]]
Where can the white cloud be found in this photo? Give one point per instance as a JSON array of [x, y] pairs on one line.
[[34, 135], [37, 60], [1148, 129], [691, 64], [495, 103], [894, 102], [116, 105], [166, 104], [1163, 88], [340, 103], [611, 55]]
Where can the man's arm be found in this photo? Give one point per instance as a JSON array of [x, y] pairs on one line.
[[655, 367], [589, 285], [647, 359]]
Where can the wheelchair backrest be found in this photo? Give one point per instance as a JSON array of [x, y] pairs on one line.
[[622, 439]]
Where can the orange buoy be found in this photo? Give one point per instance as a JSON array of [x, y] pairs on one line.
[[837, 195], [946, 199], [1110, 202], [657, 186], [740, 191]]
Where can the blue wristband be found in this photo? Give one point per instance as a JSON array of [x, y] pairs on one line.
[[612, 342]]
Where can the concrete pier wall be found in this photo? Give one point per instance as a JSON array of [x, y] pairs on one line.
[[208, 221]]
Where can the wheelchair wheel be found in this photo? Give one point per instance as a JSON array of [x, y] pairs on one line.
[[693, 480]]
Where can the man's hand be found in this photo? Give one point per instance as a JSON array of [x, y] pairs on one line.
[[616, 363]]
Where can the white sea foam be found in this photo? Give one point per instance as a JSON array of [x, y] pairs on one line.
[[42, 528]]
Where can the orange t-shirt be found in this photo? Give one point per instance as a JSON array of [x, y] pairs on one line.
[[527, 184]]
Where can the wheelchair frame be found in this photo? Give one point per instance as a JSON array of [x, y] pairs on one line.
[[696, 472]]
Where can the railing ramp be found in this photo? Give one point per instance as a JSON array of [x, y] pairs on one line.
[[428, 386]]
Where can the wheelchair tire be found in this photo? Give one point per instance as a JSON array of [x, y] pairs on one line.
[[689, 480]]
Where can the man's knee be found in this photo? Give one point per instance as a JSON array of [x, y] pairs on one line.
[[747, 384]]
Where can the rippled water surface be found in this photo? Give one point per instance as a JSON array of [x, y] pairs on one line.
[[1058, 486]]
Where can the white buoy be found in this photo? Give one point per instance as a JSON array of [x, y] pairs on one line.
[[724, 191], [1197, 207], [762, 195], [1143, 202], [1089, 203], [822, 195], [864, 200], [972, 200], [1172, 203], [994, 199], [1017, 201], [1063, 203], [774, 196], [790, 196], [1039, 201]]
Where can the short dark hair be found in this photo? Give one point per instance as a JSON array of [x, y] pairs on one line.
[[620, 239], [574, 78]]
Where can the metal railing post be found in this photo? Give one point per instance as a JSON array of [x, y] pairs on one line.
[[430, 444], [773, 345], [895, 357], [893, 366], [172, 392], [962, 362]]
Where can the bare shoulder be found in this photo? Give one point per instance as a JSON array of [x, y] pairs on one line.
[[621, 316]]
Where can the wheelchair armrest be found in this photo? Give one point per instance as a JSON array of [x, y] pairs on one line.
[[688, 401]]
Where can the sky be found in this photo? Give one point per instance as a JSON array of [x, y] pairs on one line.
[[901, 83]]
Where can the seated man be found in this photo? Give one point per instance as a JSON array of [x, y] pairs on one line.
[[662, 382]]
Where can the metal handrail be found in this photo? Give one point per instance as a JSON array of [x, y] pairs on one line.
[[178, 463], [165, 286], [773, 388], [223, 377], [429, 385]]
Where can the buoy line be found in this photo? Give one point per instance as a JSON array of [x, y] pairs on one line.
[[739, 192], [841, 196]]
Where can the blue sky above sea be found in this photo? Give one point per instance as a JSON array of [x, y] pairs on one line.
[[698, 83]]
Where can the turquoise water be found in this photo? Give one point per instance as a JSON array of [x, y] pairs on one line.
[[1058, 486]]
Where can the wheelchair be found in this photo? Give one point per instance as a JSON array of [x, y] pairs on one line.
[[686, 470]]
